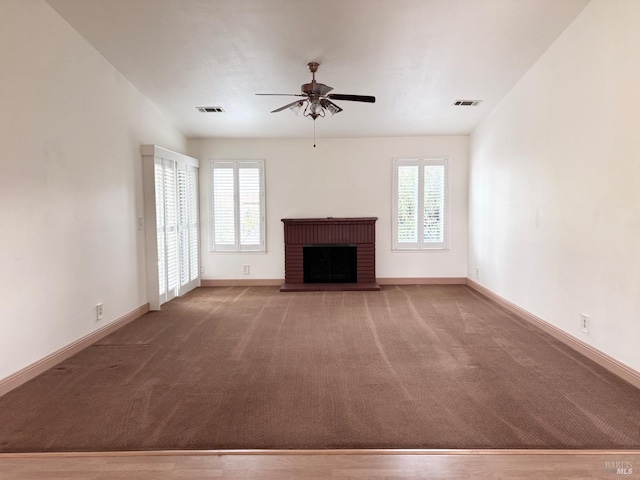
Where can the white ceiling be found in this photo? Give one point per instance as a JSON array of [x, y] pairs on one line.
[[415, 56]]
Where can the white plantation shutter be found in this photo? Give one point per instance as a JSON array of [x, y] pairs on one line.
[[188, 224], [224, 224], [194, 244], [433, 222], [183, 224], [159, 191], [171, 199], [420, 197], [249, 204], [237, 205], [407, 198], [171, 226]]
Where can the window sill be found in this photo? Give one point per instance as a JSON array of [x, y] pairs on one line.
[[421, 250], [236, 252]]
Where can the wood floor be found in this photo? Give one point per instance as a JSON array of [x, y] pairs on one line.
[[357, 465]]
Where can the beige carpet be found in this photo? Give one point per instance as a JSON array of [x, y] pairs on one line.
[[252, 368]]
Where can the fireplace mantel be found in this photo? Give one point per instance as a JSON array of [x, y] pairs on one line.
[[359, 231]]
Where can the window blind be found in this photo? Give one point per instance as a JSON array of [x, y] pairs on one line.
[[433, 231], [159, 190], [171, 220], [174, 206], [194, 252], [407, 203], [249, 204], [237, 205], [183, 225], [420, 203], [224, 206]]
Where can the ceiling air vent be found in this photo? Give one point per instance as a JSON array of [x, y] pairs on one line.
[[467, 103], [210, 109]]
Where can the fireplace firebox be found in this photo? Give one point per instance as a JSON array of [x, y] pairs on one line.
[[329, 254], [332, 263]]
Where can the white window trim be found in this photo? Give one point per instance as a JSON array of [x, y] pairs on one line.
[[237, 247], [420, 246]]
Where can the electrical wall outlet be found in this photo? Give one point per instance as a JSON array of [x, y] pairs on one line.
[[584, 322], [99, 313], [477, 273], [140, 223], [245, 269]]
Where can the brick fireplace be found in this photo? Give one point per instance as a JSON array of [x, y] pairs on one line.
[[328, 241]]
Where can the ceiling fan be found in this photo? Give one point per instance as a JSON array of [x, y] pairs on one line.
[[316, 101]]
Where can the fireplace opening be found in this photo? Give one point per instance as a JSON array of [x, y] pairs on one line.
[[330, 263]]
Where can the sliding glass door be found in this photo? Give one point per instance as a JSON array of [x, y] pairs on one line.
[[171, 206]]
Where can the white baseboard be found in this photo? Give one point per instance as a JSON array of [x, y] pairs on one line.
[[270, 282], [421, 280], [15, 380], [241, 282], [614, 366]]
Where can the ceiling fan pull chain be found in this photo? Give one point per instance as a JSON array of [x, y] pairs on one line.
[[314, 133]]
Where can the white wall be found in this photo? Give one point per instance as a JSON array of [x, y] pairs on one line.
[[70, 185], [340, 178], [555, 184]]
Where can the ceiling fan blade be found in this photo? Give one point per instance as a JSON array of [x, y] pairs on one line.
[[352, 98], [297, 103], [321, 89], [282, 94], [329, 106]]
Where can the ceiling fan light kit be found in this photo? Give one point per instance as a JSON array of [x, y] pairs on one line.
[[316, 101]]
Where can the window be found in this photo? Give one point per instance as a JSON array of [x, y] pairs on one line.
[[420, 203], [237, 205]]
